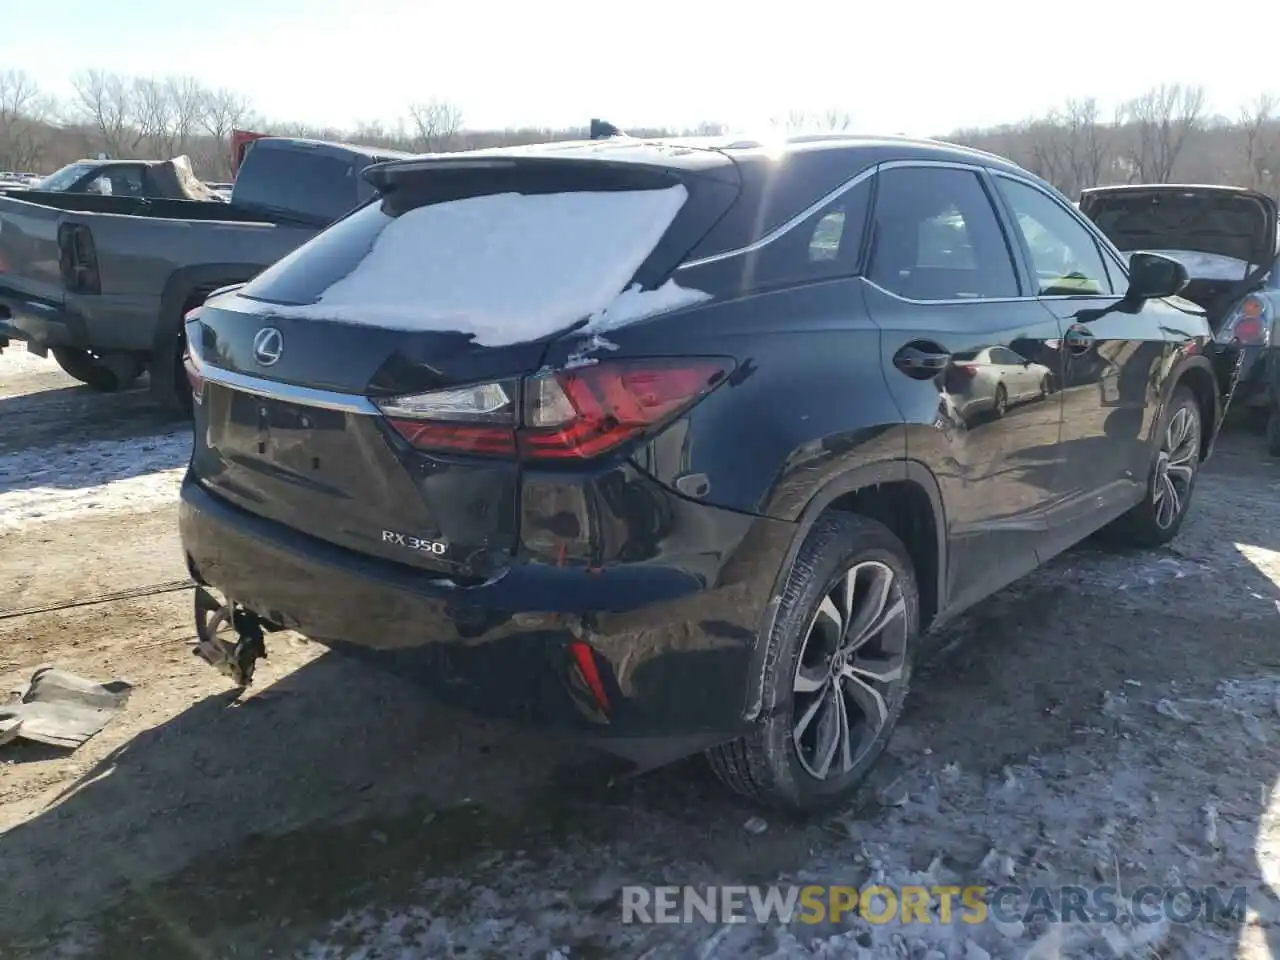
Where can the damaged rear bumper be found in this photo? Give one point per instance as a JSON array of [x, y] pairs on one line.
[[646, 660]]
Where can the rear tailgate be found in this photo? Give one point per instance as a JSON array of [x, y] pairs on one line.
[[458, 277], [29, 252]]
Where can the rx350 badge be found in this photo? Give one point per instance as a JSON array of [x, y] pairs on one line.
[[434, 547]]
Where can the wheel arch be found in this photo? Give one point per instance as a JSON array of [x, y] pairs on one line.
[[905, 496], [186, 287], [1197, 374]]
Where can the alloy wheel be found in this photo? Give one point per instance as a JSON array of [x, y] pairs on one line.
[[852, 657], [1175, 467]]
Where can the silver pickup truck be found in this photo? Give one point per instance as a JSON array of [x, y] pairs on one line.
[[102, 282]]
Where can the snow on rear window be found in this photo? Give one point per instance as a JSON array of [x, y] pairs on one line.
[[504, 267]]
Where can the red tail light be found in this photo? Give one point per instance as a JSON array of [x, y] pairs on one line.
[[1249, 323], [570, 415], [967, 369]]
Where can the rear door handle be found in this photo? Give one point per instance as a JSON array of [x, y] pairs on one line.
[[1079, 340], [914, 360]]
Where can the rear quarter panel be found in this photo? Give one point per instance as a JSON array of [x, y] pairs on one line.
[[805, 403]]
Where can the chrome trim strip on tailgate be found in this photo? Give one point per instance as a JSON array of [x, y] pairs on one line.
[[290, 393]]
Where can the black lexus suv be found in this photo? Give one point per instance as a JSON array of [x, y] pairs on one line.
[[684, 445]]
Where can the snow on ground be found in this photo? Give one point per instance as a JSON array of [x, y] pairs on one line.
[[15, 359], [107, 476], [1074, 817]]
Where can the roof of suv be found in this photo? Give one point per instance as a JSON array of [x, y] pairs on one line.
[[702, 153]]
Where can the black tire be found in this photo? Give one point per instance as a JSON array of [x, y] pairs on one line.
[[1001, 404], [1146, 525], [104, 374], [170, 389], [1273, 432], [766, 765]]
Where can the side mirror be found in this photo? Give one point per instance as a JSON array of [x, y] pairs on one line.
[[1152, 276]]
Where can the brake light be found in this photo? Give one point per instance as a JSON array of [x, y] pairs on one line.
[[570, 415], [1249, 324], [967, 369], [78, 259]]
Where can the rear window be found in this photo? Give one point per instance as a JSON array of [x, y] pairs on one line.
[[510, 262], [297, 180]]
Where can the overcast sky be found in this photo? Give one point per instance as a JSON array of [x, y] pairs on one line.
[[896, 67]]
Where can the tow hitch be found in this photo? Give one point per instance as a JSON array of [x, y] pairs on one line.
[[234, 658]]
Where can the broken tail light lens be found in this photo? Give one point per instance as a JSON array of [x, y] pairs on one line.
[[569, 415], [1248, 324], [479, 420]]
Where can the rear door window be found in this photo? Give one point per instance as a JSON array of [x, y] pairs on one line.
[[937, 237], [825, 245]]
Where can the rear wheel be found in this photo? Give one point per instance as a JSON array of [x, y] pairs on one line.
[[1158, 518], [107, 373], [836, 671]]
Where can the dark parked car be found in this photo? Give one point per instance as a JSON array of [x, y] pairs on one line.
[[1226, 238], [655, 443]]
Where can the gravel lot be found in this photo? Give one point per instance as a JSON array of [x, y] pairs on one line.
[[1109, 717]]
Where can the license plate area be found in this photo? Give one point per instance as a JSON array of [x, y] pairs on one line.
[[293, 436]]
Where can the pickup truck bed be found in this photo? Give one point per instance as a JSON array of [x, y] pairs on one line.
[[103, 282]]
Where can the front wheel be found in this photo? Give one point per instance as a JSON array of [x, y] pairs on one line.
[[1158, 517], [836, 670]]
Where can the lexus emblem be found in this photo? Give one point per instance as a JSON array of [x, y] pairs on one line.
[[268, 344]]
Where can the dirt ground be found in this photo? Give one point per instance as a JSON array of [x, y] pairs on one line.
[[1111, 718]]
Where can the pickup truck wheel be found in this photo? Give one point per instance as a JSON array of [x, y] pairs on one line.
[[107, 373], [169, 386]]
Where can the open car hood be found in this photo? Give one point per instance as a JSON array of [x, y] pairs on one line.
[[1222, 221]]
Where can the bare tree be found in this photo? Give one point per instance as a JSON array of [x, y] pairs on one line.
[[24, 115], [106, 102], [804, 121], [152, 115], [224, 110], [436, 124], [1087, 141], [1257, 129], [1163, 118]]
